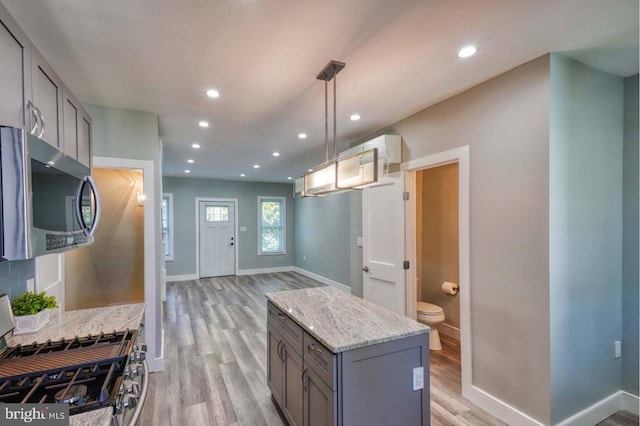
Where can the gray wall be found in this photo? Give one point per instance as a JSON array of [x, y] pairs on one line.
[[630, 239], [14, 276], [505, 121], [326, 232], [185, 191], [585, 235], [129, 134]]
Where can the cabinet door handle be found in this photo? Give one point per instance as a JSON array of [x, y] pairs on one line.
[[34, 116], [281, 351], [42, 129], [281, 316], [304, 384], [278, 349], [315, 349]]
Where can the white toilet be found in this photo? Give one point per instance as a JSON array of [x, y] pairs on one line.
[[431, 315]]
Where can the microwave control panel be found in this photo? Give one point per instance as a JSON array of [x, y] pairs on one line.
[[55, 242]]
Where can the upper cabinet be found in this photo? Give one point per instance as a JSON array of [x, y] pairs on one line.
[[15, 66], [34, 97], [46, 88]]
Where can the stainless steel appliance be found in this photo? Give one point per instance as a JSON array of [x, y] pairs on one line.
[[104, 371], [49, 202]]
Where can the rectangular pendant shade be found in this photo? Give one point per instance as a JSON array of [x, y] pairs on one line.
[[320, 181], [357, 169]]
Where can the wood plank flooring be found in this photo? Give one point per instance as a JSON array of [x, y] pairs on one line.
[[621, 418], [215, 358]]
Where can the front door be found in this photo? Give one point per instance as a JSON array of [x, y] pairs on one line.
[[383, 229], [217, 238]]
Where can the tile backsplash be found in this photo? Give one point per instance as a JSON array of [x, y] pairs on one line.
[[14, 276]]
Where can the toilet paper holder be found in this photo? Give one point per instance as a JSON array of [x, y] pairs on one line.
[[450, 288]]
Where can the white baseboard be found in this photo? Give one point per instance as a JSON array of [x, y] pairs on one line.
[[188, 277], [265, 270], [630, 402], [449, 330], [605, 408], [157, 364], [323, 280], [498, 408]]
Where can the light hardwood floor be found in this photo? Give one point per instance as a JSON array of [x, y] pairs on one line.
[[215, 358]]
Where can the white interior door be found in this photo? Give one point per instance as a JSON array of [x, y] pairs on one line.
[[384, 244], [217, 238]]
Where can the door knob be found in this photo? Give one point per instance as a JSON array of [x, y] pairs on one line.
[[365, 268]]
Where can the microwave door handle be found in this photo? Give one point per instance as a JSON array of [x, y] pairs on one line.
[[83, 226], [96, 197]]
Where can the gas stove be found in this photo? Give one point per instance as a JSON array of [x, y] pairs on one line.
[[92, 372]]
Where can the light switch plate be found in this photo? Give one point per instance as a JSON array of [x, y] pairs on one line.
[[359, 241], [617, 349], [418, 378]]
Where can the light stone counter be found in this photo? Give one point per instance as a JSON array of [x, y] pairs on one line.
[[101, 417], [341, 321], [84, 322]]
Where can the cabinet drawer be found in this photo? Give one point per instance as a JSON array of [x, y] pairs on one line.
[[321, 359], [291, 331]]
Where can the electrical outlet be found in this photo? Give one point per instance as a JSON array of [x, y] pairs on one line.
[[243, 229], [31, 285], [418, 378], [304, 258], [617, 349], [359, 242]]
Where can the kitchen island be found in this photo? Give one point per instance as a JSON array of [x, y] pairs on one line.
[[336, 359], [67, 325]]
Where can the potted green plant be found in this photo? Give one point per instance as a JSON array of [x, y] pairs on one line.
[[31, 311]]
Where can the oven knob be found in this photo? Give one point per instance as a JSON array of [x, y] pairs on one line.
[[130, 401], [127, 373], [119, 406]]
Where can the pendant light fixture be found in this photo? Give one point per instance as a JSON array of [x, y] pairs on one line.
[[336, 174]]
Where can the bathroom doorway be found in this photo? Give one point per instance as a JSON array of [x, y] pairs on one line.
[[438, 287], [437, 268]]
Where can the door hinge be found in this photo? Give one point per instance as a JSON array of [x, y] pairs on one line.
[[405, 195], [405, 264]]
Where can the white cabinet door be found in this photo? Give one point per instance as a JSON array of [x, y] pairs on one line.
[[217, 238], [384, 244]]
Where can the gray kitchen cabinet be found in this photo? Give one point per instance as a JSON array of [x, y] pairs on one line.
[[76, 129], [47, 98], [85, 136], [15, 70], [319, 404], [371, 384]]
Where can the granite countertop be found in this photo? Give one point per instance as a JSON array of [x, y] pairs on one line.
[[341, 321], [83, 322], [101, 417]]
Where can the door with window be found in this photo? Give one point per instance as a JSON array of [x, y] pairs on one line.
[[217, 238]]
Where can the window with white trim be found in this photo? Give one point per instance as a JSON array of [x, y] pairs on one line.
[[271, 225], [167, 225]]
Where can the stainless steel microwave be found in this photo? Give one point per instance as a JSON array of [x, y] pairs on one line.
[[49, 202]]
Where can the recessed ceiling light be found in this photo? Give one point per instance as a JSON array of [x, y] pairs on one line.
[[50, 162], [302, 135], [195, 146], [203, 124], [289, 177], [355, 117], [276, 154], [242, 175], [256, 166], [213, 93], [190, 161], [187, 171], [467, 51]]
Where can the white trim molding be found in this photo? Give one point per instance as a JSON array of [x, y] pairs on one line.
[[499, 408], [176, 278], [283, 224], [152, 255], [604, 408], [323, 280], [461, 156], [265, 270], [449, 330]]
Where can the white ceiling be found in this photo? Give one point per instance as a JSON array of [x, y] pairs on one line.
[[263, 56]]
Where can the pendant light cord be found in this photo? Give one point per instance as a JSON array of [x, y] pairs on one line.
[[335, 132], [326, 121]]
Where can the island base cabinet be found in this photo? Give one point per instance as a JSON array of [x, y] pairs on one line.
[[275, 365], [320, 408], [291, 402]]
